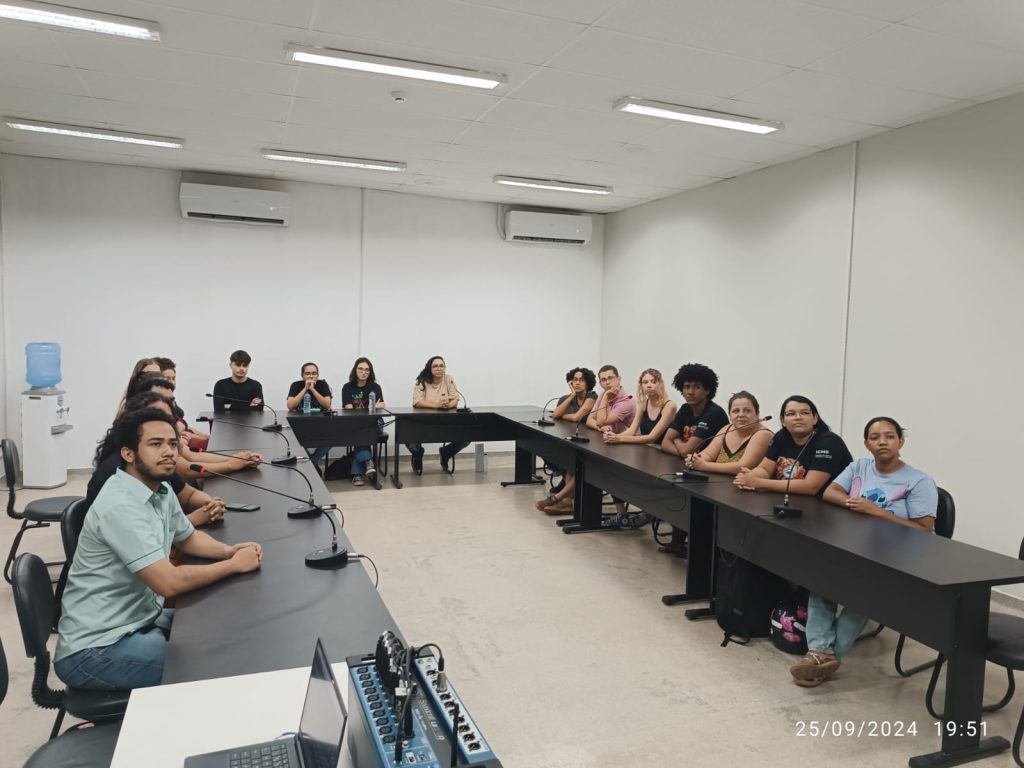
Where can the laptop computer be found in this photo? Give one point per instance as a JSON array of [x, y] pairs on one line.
[[316, 745]]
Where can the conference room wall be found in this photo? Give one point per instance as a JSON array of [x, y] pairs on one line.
[[936, 307], [3, 318], [747, 276], [509, 318], [99, 259]]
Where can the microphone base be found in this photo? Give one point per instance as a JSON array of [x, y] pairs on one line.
[[784, 510], [285, 461], [463, 410], [692, 476], [327, 559], [275, 427], [579, 439], [545, 423], [304, 512]]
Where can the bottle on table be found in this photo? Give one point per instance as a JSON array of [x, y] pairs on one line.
[[373, 402], [307, 404]]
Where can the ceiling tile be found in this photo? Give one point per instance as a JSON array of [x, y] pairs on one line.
[[501, 137], [220, 101], [582, 11], [609, 173], [293, 13], [183, 123], [453, 26], [512, 161], [799, 127], [597, 93], [888, 10], [334, 141], [843, 99], [921, 61], [778, 31], [649, 62], [384, 121], [26, 102], [41, 77], [676, 158], [26, 42], [606, 126], [717, 142], [992, 22], [356, 89]]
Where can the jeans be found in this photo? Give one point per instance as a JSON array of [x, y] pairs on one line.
[[317, 454], [363, 453], [827, 633], [134, 661]]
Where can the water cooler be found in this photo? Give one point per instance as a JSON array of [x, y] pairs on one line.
[[44, 420]]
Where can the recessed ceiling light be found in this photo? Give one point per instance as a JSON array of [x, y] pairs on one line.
[[692, 115], [557, 186], [381, 65], [83, 21], [343, 162], [85, 132]]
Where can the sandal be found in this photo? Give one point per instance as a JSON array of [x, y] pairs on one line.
[[543, 504]]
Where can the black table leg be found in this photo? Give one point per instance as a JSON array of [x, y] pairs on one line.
[[699, 559], [395, 481], [588, 516], [526, 466], [963, 732]]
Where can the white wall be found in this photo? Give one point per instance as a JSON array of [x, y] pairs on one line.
[[3, 318], [935, 305], [99, 259], [736, 276]]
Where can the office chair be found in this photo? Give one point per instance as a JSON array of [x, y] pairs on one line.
[[33, 598], [76, 747], [37, 514], [1005, 648], [71, 523]]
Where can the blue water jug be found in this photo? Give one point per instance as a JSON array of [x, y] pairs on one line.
[[42, 359]]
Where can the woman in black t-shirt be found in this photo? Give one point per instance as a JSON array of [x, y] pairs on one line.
[[803, 457], [355, 395]]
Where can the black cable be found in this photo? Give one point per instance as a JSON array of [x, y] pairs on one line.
[[376, 573]]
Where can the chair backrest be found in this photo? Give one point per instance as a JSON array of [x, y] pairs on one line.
[[5, 675], [71, 522], [11, 470], [945, 515], [33, 598]]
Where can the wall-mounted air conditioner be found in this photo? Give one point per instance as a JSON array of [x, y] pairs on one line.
[[540, 227], [233, 199]]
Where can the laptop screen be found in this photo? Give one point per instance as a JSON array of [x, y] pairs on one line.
[[322, 727]]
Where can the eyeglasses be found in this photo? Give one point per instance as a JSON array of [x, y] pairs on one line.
[[792, 414]]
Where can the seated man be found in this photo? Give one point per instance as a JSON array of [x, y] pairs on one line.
[[238, 393], [696, 423], [192, 437], [113, 630]]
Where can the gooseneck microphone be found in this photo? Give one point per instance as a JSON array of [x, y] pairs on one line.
[[465, 408], [783, 509], [288, 458], [309, 509], [693, 475], [326, 559], [542, 422], [275, 427], [576, 437]]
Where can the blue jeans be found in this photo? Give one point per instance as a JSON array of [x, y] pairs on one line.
[[362, 454], [134, 661], [827, 633], [317, 454]]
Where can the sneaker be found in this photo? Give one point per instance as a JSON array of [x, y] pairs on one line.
[[371, 471], [639, 520], [618, 522], [358, 480], [417, 461], [814, 669]]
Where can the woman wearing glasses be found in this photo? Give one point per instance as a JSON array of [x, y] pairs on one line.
[[362, 382], [436, 390]]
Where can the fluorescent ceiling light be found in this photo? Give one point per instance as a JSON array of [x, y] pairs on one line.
[[83, 132], [84, 21], [344, 162], [418, 70], [700, 116], [558, 186]]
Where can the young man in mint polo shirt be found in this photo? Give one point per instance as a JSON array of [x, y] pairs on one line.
[[113, 629]]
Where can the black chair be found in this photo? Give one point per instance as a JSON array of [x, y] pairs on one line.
[[33, 598], [71, 523], [945, 522], [37, 514], [76, 747], [1005, 648]]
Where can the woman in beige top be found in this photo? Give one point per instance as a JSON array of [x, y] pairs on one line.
[[435, 389]]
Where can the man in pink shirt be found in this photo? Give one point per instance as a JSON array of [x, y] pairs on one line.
[[615, 407]]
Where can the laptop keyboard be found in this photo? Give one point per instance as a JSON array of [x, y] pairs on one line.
[[272, 755]]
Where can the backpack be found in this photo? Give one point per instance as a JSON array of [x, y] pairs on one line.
[[745, 596], [789, 623]]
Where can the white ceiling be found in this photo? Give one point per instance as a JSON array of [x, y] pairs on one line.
[[832, 70]]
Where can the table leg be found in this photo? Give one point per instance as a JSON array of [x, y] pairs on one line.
[[395, 481], [526, 466]]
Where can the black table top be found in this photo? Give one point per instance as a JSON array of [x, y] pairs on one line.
[[269, 619]]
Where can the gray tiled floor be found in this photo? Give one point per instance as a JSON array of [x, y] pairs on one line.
[[562, 649]]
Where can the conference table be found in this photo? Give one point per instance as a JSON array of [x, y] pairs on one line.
[[934, 590]]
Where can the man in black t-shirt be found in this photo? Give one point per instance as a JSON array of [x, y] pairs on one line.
[[697, 421], [238, 387], [319, 390]]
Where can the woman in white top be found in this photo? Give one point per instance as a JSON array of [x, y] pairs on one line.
[[435, 389]]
